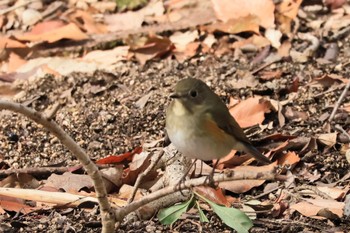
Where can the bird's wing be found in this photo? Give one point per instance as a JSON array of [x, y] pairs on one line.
[[227, 123]]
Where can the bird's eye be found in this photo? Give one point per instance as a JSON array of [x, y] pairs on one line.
[[193, 93]]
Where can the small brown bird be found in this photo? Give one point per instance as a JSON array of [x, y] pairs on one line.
[[200, 125]]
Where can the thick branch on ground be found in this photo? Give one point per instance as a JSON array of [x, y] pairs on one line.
[[229, 176], [108, 219]]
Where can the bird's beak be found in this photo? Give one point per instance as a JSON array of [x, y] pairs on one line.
[[174, 95]]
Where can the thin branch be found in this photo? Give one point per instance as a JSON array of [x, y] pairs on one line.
[[227, 176], [34, 170], [107, 215], [342, 96], [154, 162]]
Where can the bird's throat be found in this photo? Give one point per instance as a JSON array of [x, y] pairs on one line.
[[180, 109]]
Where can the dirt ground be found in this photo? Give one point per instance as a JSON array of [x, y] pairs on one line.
[[103, 114]]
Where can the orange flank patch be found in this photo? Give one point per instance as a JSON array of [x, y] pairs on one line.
[[212, 128]]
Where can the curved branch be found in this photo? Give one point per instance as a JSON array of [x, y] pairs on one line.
[[229, 176], [107, 215]]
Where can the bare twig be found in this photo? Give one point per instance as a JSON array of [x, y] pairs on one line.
[[338, 127], [154, 162], [315, 190], [229, 176], [342, 96], [287, 222], [107, 215], [34, 170], [14, 7], [52, 111]]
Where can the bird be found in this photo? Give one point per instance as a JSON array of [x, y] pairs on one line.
[[200, 125]]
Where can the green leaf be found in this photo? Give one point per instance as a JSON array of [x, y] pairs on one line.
[[169, 215], [202, 216], [232, 217]]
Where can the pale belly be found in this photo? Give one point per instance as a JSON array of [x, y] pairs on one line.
[[197, 145]]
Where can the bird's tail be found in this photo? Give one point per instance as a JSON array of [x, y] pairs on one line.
[[250, 149]]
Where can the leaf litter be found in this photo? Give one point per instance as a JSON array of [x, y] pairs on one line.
[[99, 107]]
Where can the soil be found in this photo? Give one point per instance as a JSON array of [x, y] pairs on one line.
[[104, 114]]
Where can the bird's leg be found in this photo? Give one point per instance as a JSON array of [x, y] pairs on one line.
[[185, 174], [210, 177]]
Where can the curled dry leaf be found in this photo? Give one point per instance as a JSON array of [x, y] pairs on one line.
[[10, 43], [17, 205], [335, 193], [329, 80], [251, 111], [70, 182], [153, 47], [313, 208], [119, 53], [69, 31], [328, 139], [235, 9], [290, 158], [214, 195], [248, 23], [86, 22]]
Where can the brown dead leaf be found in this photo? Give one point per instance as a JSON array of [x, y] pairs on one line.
[[235, 9], [86, 22], [9, 43], [69, 31], [250, 112], [334, 4], [283, 50], [293, 115], [214, 195], [19, 181], [346, 107], [313, 208], [259, 41], [190, 51], [153, 47], [242, 186], [289, 8], [290, 158], [14, 62], [249, 23], [119, 53], [185, 47], [132, 20], [139, 163], [329, 80], [269, 75], [47, 26], [335, 193], [182, 39], [15, 204], [70, 182], [125, 192], [328, 139]]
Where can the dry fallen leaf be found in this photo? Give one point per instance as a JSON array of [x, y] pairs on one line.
[[290, 158], [250, 112], [328, 139], [69, 31], [235, 9], [248, 23], [10, 43], [214, 195], [314, 208], [70, 182], [153, 47]]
